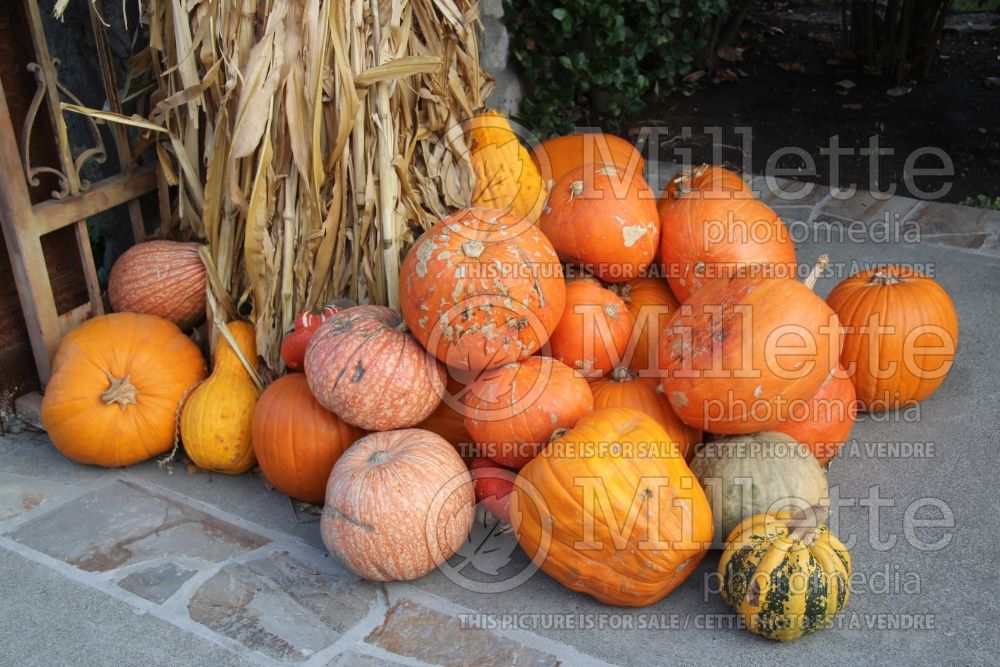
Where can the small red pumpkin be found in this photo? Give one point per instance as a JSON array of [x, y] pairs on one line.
[[163, 278], [481, 288], [493, 485], [823, 423], [603, 218], [513, 411], [594, 331], [362, 365]]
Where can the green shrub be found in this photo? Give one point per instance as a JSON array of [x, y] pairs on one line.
[[982, 201], [587, 62]]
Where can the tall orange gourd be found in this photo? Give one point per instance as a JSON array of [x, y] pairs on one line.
[[611, 509], [506, 177], [217, 418]]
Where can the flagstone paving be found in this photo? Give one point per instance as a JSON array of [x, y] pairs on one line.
[[138, 566]]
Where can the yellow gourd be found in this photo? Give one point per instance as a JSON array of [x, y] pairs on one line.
[[217, 419], [506, 177]]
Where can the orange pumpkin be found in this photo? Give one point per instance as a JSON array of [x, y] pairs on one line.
[[706, 238], [901, 332], [448, 420], [823, 423], [716, 182], [363, 366], [742, 350], [482, 288], [163, 278], [603, 218], [651, 304], [594, 331], [611, 509], [297, 440], [625, 389], [558, 156], [116, 383], [513, 411], [398, 504]]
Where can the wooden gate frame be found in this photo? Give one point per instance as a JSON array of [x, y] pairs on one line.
[[24, 223]]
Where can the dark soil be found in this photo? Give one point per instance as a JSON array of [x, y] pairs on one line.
[[786, 90]]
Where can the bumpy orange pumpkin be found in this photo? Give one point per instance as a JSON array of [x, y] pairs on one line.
[[741, 351], [116, 383], [398, 504], [481, 288], [558, 156], [217, 418], [717, 182], [362, 365], [625, 389], [297, 440], [513, 411], [901, 332], [824, 422], [611, 509], [651, 304], [594, 331], [705, 238], [506, 178], [604, 219], [164, 278]]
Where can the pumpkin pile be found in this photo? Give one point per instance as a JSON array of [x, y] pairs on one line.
[[625, 381]]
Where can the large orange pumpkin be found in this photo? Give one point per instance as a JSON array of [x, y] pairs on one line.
[[651, 304], [398, 504], [823, 423], [603, 218], [625, 389], [716, 182], [901, 332], [362, 365], [741, 351], [116, 383], [594, 331], [611, 509], [164, 278], [297, 440], [506, 178], [704, 238], [482, 288], [513, 411], [558, 156]]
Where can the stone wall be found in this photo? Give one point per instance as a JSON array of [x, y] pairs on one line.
[[494, 56]]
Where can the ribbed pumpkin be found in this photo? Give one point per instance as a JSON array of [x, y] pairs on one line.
[[603, 218], [651, 304], [625, 389], [115, 386], [296, 440], [610, 509], [217, 418], [398, 504], [717, 182], [824, 422], [558, 156], [786, 579], [513, 411], [594, 331], [506, 177], [761, 472], [448, 419], [362, 365], [163, 278], [741, 351], [481, 288], [705, 238], [901, 333]]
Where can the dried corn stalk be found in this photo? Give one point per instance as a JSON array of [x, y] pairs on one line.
[[310, 139]]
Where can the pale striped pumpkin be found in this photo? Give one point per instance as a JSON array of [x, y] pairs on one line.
[[163, 278]]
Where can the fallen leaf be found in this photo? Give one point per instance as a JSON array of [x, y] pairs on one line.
[[821, 37], [992, 82], [694, 77], [874, 70], [846, 84], [730, 53], [726, 74], [853, 107], [898, 91], [793, 67]]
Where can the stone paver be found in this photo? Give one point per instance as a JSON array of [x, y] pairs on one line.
[[281, 606], [355, 659], [16, 499], [122, 524], [417, 631], [157, 582]]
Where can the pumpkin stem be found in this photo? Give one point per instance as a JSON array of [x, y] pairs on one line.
[[558, 433], [883, 279], [611, 310], [473, 249], [821, 265], [121, 391], [379, 457], [622, 374], [575, 190], [809, 523]]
